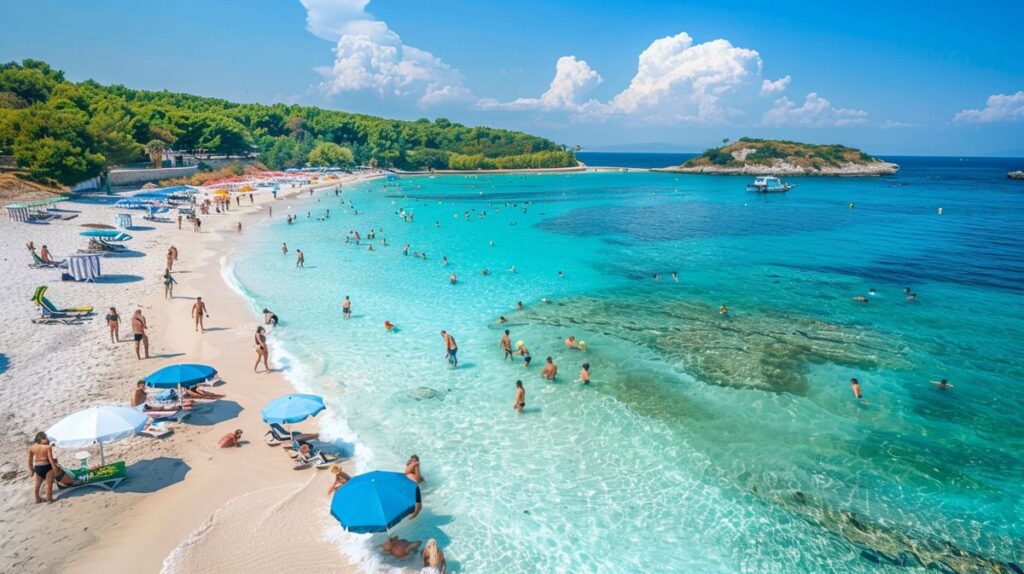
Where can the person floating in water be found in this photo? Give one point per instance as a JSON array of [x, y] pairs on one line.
[[860, 299], [520, 402], [550, 370], [943, 384], [855, 385], [389, 326], [724, 310], [451, 349], [453, 279]]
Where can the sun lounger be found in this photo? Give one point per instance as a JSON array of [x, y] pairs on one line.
[[108, 476], [277, 435], [39, 298], [100, 246], [38, 263], [319, 460], [157, 430], [50, 317]]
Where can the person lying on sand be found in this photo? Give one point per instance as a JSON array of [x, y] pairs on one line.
[[139, 397], [399, 548], [197, 393], [231, 439]]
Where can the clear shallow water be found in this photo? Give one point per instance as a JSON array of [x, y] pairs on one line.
[[705, 443]]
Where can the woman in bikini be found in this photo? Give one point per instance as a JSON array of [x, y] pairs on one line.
[[114, 323], [43, 464], [261, 350], [168, 284]]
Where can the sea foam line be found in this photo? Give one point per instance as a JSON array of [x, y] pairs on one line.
[[333, 426]]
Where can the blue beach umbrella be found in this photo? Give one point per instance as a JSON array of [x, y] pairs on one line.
[[292, 409], [183, 375], [374, 501]]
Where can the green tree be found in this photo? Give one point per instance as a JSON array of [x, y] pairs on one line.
[[111, 126], [328, 154], [155, 150]]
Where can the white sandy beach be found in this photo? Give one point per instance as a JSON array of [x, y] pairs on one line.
[[226, 507]]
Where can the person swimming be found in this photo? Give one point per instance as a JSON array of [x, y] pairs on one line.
[[943, 384], [855, 385], [724, 310], [585, 373], [453, 279], [860, 299], [389, 326], [570, 341]]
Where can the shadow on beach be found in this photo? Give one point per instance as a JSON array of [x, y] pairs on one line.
[[213, 413], [118, 279], [145, 476]]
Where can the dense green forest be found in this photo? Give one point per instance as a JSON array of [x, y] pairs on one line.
[[66, 132]]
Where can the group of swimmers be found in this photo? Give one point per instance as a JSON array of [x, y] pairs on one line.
[[550, 370]]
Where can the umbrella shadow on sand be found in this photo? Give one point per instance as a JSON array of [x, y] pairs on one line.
[[213, 413]]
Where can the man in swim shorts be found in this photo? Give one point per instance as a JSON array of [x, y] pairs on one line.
[[550, 370], [451, 349], [506, 345], [139, 333]]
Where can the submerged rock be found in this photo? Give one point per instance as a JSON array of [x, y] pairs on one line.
[[768, 350], [425, 393]]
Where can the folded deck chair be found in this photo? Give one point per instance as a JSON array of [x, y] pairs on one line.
[[157, 430], [108, 476]]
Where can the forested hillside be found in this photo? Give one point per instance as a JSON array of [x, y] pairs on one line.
[[66, 132]]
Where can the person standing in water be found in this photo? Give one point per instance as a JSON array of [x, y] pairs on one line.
[[262, 352], [139, 327], [550, 370], [346, 308], [855, 385], [520, 402], [585, 374], [506, 345], [284, 249], [300, 259], [525, 354], [451, 349], [198, 311]]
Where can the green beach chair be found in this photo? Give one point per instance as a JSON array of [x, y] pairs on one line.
[[107, 476]]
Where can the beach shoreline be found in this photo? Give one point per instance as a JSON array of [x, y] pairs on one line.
[[188, 479]]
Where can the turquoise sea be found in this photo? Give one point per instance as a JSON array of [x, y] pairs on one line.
[[706, 443]]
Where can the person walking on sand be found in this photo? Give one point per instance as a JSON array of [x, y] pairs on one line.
[[139, 327], [433, 557], [506, 345], [170, 259], [520, 402], [168, 285], [179, 222], [550, 370], [239, 228], [451, 349], [198, 311], [346, 308], [300, 259], [412, 469], [262, 352], [114, 324]]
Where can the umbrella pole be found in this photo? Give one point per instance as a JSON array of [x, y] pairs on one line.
[[103, 462]]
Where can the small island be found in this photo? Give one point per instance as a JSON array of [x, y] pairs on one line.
[[748, 156]]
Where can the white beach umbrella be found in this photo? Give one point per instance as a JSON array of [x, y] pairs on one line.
[[97, 425]]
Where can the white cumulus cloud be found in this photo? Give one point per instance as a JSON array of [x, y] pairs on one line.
[[816, 111], [770, 87], [677, 79], [368, 55], [998, 108], [573, 80]]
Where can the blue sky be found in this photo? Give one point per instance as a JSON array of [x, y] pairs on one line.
[[892, 78]]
